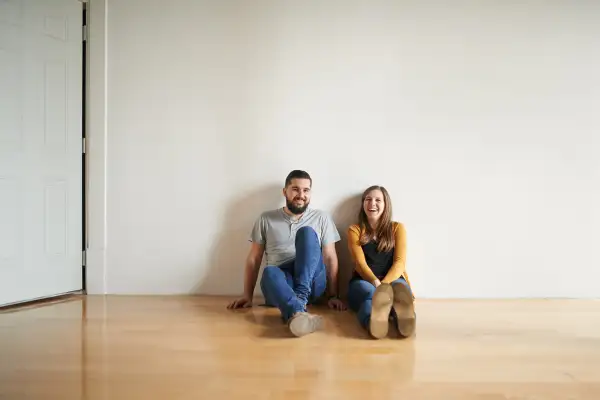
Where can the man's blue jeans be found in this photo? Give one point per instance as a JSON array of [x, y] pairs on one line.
[[291, 286], [360, 296]]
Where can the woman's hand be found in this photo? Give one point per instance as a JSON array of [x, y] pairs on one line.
[[376, 282]]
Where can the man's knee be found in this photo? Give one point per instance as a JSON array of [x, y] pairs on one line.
[[306, 234]]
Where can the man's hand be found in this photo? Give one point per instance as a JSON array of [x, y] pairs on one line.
[[376, 282], [336, 304], [240, 303]]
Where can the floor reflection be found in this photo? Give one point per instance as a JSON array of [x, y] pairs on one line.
[[121, 347]]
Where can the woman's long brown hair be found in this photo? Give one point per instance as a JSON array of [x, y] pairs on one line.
[[384, 231]]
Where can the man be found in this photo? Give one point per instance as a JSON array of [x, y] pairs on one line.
[[301, 259]]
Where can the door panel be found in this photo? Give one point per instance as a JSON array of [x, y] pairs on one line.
[[40, 148]]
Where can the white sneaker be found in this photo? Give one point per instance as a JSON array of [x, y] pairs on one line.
[[303, 323]]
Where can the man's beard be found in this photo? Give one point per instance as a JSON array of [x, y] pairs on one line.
[[294, 209]]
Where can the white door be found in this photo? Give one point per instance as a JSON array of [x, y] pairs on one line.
[[40, 148]]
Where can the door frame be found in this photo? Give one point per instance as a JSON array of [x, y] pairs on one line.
[[95, 120]]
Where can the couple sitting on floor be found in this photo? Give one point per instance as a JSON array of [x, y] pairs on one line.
[[302, 264]]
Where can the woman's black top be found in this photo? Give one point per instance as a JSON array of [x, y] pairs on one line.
[[379, 262]]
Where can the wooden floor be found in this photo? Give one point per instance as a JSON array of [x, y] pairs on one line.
[[193, 348]]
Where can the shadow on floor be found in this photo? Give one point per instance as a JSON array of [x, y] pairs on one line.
[[272, 325], [338, 323]]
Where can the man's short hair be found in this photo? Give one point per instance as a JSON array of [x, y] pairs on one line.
[[297, 174]]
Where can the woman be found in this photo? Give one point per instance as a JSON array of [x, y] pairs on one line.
[[379, 288]]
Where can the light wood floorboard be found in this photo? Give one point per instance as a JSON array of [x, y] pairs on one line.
[[120, 347]]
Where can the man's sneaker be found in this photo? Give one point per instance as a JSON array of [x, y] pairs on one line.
[[380, 312], [405, 309], [303, 323]]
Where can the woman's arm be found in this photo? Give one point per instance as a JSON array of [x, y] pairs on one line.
[[398, 267], [360, 263]]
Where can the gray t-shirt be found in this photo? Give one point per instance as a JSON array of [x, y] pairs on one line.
[[277, 231]]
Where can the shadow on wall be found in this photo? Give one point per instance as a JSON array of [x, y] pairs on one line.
[[226, 261], [344, 215]]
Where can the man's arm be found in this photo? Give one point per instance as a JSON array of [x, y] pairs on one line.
[[329, 236], [253, 261], [331, 264]]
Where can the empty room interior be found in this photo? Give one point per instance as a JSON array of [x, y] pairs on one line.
[[317, 199]]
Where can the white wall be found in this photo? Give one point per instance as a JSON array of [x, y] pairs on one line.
[[479, 117]]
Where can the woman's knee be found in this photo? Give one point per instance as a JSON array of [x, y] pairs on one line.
[[359, 291], [402, 281], [362, 287]]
